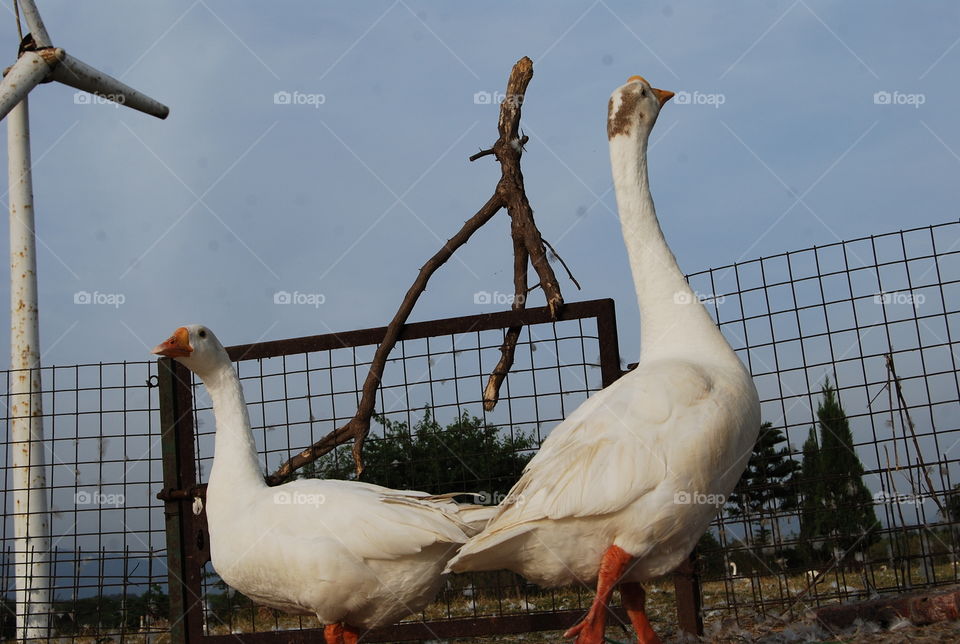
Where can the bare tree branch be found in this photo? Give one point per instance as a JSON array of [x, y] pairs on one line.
[[528, 244]]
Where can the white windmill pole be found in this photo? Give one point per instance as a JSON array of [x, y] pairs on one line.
[[39, 61], [30, 512]]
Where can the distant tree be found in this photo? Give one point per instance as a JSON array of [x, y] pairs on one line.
[[767, 485], [810, 488], [837, 509], [466, 455]]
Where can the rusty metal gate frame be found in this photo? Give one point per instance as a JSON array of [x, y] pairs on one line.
[[187, 540]]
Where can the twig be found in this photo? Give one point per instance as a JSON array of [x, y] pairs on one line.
[[913, 432], [564, 264], [480, 154]]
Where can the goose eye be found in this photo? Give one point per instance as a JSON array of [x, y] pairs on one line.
[[202, 333], [643, 91]]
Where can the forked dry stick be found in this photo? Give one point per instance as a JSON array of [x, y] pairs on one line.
[[509, 193], [528, 245]]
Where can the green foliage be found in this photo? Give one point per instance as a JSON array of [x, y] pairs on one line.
[[766, 486], [709, 556], [837, 510], [109, 612], [467, 455]]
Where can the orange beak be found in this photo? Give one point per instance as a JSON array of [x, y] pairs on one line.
[[176, 346], [663, 95]]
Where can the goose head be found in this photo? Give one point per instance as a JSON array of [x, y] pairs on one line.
[[196, 347], [634, 107]]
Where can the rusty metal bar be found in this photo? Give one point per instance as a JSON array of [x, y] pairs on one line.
[[418, 330], [609, 341], [686, 584], [185, 533]]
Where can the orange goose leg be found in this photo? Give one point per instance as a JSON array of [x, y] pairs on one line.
[[634, 599], [612, 565], [340, 633]]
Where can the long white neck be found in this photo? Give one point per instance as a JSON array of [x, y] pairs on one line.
[[672, 320], [235, 464]]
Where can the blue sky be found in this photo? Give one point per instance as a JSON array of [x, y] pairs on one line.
[[784, 143]]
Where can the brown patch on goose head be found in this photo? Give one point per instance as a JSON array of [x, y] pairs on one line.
[[621, 121]]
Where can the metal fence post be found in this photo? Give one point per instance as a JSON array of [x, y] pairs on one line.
[[179, 473], [686, 584]]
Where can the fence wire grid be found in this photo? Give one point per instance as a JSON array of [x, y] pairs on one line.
[[878, 318], [108, 571]]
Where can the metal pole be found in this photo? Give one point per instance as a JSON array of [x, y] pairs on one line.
[[30, 515]]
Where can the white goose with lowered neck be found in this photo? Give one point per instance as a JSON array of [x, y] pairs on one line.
[[354, 554], [615, 495]]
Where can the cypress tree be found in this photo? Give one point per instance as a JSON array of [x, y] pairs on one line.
[[837, 506], [766, 485]]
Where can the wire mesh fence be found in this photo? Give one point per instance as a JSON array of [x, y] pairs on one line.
[[107, 566], [877, 321], [877, 316]]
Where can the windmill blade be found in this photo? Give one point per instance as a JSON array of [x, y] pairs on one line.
[[35, 23], [76, 73], [29, 70]]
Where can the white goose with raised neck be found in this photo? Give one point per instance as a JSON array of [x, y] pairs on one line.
[[673, 322]]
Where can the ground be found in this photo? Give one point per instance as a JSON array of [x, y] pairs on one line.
[[729, 611]]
